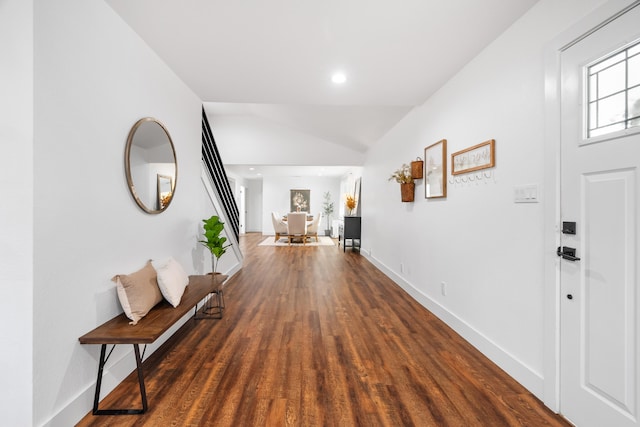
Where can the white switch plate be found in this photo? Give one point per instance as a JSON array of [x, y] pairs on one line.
[[525, 193]]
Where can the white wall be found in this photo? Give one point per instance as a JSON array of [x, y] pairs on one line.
[[275, 195], [486, 249], [248, 140], [254, 205], [94, 78], [16, 213]]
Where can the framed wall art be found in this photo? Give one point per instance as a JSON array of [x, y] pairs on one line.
[[481, 156], [435, 158], [356, 195], [299, 200], [165, 190]]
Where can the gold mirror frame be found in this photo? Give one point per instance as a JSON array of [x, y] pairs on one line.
[[150, 137]]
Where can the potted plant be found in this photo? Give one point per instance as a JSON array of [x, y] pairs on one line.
[[327, 210], [212, 239], [407, 186]]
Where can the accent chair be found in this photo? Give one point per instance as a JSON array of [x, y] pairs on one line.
[[312, 228], [279, 226], [297, 226]]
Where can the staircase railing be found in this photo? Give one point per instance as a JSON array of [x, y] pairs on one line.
[[218, 177]]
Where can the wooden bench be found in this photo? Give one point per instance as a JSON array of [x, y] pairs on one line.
[[151, 327]]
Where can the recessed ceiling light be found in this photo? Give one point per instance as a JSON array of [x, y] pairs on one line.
[[338, 78], [252, 169]]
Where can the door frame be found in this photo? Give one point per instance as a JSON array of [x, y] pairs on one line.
[[551, 211], [242, 207]]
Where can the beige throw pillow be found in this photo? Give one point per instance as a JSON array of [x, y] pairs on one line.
[[138, 292]]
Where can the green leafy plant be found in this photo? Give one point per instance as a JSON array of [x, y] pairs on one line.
[[212, 239], [327, 207]]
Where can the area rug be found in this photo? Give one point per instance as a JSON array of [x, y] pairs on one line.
[[322, 241]]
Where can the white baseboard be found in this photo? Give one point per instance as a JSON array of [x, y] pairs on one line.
[[518, 370], [233, 270]]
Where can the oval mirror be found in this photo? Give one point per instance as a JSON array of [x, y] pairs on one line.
[[150, 165]]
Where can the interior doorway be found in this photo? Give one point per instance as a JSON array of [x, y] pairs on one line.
[[242, 208]]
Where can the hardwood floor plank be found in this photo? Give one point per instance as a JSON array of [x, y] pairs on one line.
[[314, 336]]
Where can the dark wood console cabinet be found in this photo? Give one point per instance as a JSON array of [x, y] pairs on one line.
[[350, 230]]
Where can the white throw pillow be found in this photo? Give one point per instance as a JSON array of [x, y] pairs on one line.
[[172, 279]]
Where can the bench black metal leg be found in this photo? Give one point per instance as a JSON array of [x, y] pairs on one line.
[[96, 400], [210, 311], [143, 393]]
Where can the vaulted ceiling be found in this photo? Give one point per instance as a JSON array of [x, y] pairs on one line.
[[274, 59]]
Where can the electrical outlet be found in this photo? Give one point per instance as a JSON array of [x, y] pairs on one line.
[[443, 288], [401, 268]]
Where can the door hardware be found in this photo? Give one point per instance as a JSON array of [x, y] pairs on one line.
[[567, 253], [569, 227]]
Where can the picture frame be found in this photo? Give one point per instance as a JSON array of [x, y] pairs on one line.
[[480, 156], [165, 190], [356, 195], [299, 199], [435, 164]]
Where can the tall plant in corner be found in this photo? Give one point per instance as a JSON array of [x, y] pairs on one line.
[[212, 239], [327, 210]]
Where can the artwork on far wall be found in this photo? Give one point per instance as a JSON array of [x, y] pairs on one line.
[[299, 200], [165, 190], [481, 156], [435, 157], [356, 195]]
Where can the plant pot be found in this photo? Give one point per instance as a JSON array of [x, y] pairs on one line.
[[327, 232], [408, 191], [417, 167]]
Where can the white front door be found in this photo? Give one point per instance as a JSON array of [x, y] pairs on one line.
[[600, 192]]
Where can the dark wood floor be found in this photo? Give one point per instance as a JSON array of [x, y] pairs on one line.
[[313, 336]]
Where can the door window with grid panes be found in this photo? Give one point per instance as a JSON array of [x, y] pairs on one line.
[[613, 93]]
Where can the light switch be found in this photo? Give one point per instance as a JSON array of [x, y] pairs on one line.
[[525, 193]]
